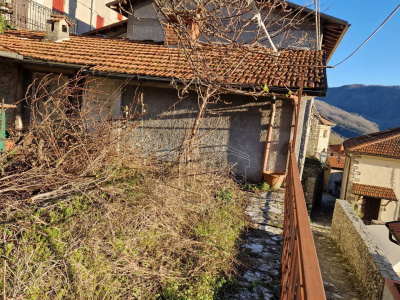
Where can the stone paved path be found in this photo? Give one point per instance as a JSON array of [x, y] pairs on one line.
[[261, 272], [337, 276]]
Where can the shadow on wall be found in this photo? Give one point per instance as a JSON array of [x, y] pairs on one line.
[[83, 25]]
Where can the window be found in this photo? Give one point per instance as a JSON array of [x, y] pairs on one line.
[[99, 22], [325, 133], [58, 5], [120, 17]]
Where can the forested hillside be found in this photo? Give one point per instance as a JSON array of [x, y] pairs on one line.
[[362, 109]]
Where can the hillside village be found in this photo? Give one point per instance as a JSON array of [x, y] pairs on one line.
[[156, 149]]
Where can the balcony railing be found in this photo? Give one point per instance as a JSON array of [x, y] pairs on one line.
[[29, 15], [301, 275]]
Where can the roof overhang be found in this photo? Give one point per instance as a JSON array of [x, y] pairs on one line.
[[372, 191]]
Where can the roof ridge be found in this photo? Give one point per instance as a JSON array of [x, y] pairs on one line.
[[372, 135]]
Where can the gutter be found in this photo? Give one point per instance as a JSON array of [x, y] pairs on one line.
[[11, 55]]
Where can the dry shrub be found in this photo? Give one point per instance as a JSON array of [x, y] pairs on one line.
[[84, 219]]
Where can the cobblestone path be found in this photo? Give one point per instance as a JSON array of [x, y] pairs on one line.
[[338, 278], [261, 271]]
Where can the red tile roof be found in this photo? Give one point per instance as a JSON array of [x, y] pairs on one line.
[[335, 164], [374, 191], [383, 143], [394, 288], [248, 67], [394, 228], [337, 149]]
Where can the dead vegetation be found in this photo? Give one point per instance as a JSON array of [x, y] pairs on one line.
[[86, 216]]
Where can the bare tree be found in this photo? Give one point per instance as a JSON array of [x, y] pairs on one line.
[[218, 38]]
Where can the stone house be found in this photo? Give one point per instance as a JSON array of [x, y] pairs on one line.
[[320, 130], [371, 177], [240, 128]]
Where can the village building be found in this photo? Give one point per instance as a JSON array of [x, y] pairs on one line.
[[241, 131], [371, 178], [320, 130]]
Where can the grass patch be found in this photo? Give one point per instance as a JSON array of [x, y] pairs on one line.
[[137, 236]]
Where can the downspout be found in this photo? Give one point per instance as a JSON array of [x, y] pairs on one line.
[[269, 135], [348, 157], [92, 14]]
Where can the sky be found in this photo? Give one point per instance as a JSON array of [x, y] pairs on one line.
[[378, 61]]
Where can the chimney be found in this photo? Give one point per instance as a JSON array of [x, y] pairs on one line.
[[171, 39], [57, 29]]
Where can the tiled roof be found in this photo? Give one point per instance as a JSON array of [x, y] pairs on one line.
[[252, 68], [394, 228], [335, 164], [336, 148], [383, 143], [374, 191], [324, 120]]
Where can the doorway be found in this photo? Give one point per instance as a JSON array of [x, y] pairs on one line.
[[370, 209]]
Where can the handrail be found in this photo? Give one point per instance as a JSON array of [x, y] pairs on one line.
[[301, 275]]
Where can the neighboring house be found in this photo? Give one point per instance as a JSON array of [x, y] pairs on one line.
[[237, 128], [320, 130], [333, 174], [84, 15], [371, 178]]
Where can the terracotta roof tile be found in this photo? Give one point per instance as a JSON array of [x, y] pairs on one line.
[[394, 228], [250, 67], [383, 143], [335, 164], [374, 191]]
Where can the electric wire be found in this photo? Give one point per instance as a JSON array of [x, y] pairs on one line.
[[380, 26]]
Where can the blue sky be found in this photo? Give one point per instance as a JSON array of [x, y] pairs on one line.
[[378, 62]]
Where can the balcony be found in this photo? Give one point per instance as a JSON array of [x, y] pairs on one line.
[[29, 15]]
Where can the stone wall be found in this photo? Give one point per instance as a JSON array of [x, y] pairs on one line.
[[361, 250], [233, 131]]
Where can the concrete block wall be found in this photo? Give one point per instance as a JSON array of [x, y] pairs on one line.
[[361, 250]]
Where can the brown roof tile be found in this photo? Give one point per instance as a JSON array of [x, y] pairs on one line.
[[394, 228], [383, 143], [335, 164], [250, 67], [374, 191]]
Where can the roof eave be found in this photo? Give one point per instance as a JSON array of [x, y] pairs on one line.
[[338, 42]]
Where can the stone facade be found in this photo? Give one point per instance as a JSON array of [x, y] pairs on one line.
[[362, 251]]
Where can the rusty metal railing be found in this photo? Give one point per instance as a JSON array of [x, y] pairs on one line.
[[301, 275]]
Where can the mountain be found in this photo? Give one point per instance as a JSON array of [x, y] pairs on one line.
[[348, 124], [377, 104]]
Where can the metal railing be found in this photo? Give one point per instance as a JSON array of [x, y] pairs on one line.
[[301, 275], [29, 15]]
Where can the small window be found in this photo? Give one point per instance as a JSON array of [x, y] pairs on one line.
[[64, 28], [100, 22], [325, 133]]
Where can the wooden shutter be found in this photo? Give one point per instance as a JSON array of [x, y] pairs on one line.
[[58, 5], [100, 22]]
